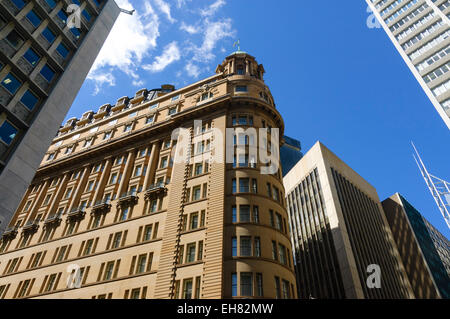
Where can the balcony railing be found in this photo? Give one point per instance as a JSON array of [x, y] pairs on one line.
[[53, 219], [31, 226], [76, 213], [129, 198], [101, 206], [155, 190], [11, 232]]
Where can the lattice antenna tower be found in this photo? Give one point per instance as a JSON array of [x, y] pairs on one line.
[[439, 188]]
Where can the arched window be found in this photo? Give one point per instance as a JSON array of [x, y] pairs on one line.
[[240, 70]]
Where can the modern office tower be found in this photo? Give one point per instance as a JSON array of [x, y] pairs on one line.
[[420, 31], [339, 232], [424, 250], [112, 203], [290, 154], [43, 64]]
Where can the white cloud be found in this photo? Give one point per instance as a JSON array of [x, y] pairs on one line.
[[130, 41], [171, 54], [214, 32], [164, 7], [181, 3], [192, 70], [138, 83], [189, 28], [211, 10], [100, 79]]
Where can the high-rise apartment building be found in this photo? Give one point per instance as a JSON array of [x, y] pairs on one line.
[[420, 30], [424, 250], [113, 212], [43, 63], [290, 154], [339, 232]]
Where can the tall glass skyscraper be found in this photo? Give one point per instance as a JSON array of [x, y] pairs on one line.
[[420, 30], [424, 250], [290, 154]]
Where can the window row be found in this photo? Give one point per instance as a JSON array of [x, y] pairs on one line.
[[190, 253]]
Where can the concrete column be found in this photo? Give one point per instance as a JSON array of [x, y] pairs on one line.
[[21, 206], [127, 172], [103, 181], [152, 165], [59, 193], [39, 199], [79, 190], [247, 67]]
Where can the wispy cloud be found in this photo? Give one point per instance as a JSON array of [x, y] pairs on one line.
[[191, 29], [214, 32], [181, 3], [171, 54], [211, 10], [100, 79], [192, 70], [131, 39], [164, 7]]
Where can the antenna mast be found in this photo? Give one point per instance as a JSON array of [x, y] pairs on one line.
[[439, 189]]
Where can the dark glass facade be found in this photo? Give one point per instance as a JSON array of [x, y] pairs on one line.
[[290, 154], [430, 240]]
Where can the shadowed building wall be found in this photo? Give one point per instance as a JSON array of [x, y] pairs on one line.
[[425, 251], [338, 230]]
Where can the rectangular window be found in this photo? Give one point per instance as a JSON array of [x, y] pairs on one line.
[[241, 88], [274, 251], [47, 73], [138, 171], [245, 246], [196, 193], [246, 284], [164, 162], [244, 213], [7, 132], [11, 83], [62, 50], [234, 214], [172, 111], [19, 4], [282, 251], [255, 214], [277, 287], [29, 100], [286, 291], [259, 285], [194, 221], [234, 286], [109, 270], [117, 240], [49, 35], [200, 250], [14, 39], [148, 232], [187, 289], [31, 56], [190, 253], [257, 247], [34, 18], [234, 247], [142, 263], [244, 185]]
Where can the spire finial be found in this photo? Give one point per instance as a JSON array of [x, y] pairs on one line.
[[238, 44]]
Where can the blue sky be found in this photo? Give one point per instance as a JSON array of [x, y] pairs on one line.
[[333, 79]]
